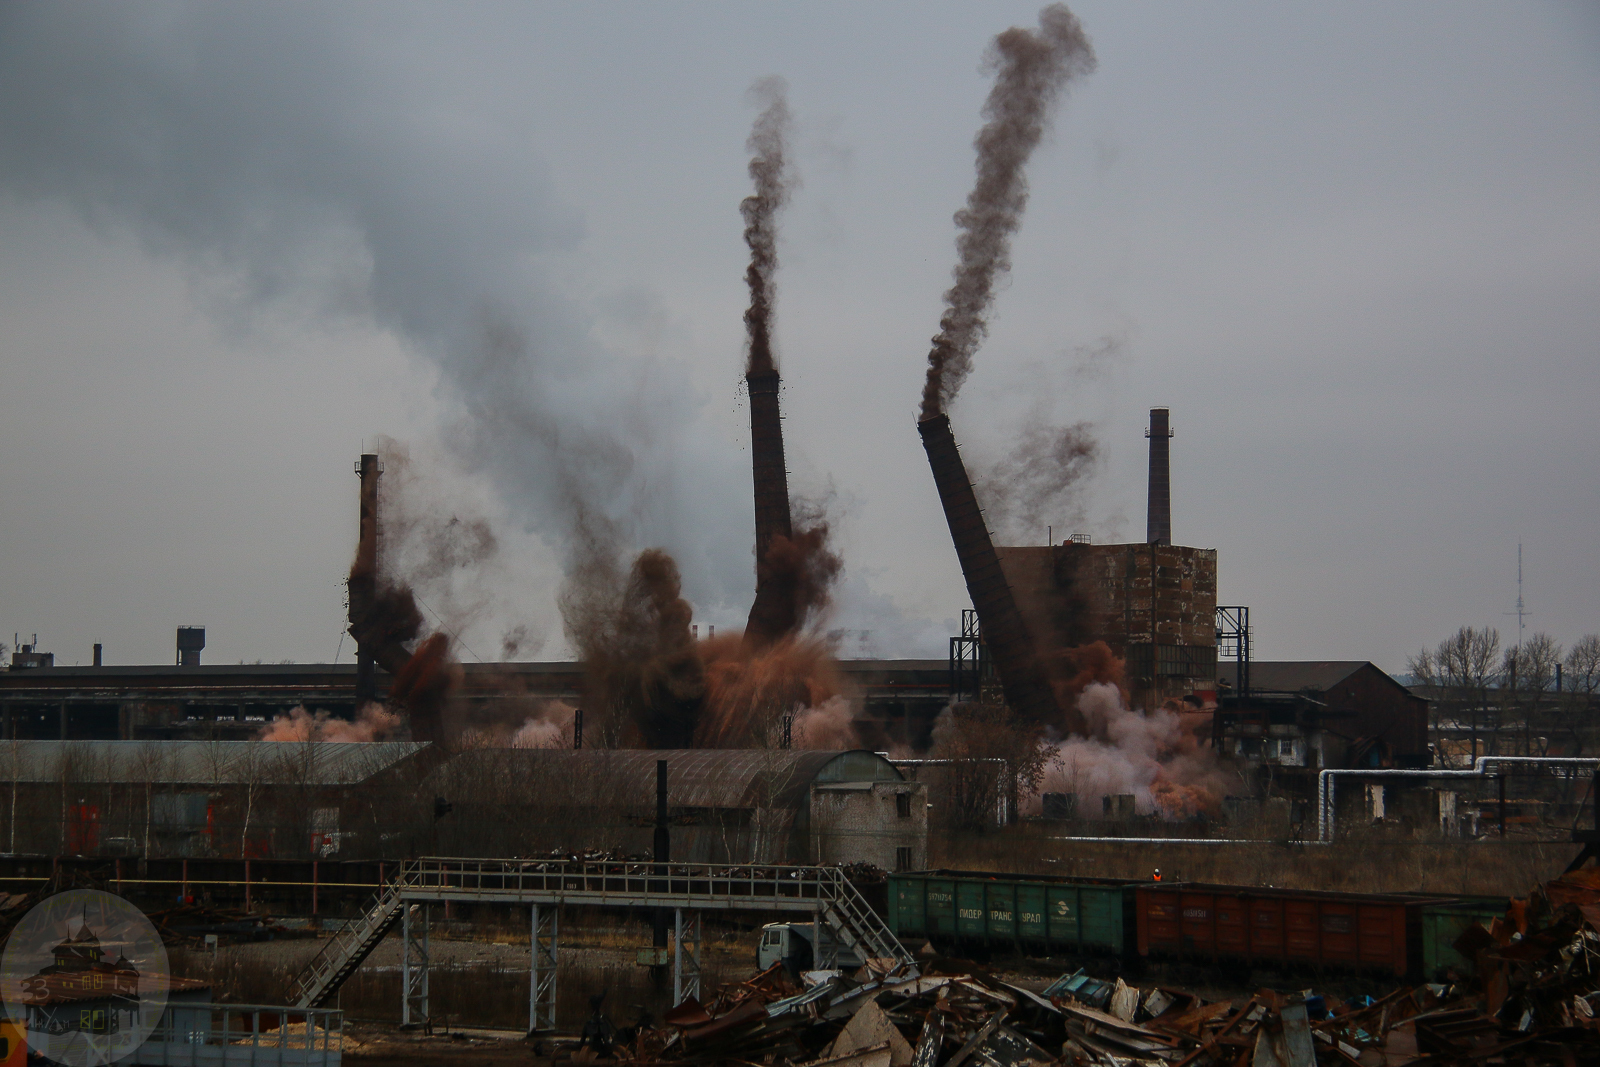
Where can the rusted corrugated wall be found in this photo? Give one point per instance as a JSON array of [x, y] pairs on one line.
[[1016, 659], [773, 613]]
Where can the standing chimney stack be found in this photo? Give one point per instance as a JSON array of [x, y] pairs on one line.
[[363, 587], [191, 642], [1159, 523]]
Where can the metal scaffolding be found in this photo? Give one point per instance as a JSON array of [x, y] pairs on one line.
[[686, 957], [414, 966], [542, 977]]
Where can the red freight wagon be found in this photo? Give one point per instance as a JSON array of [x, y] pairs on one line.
[[1346, 931]]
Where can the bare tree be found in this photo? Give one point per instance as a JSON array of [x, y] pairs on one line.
[[1582, 673], [1461, 670], [1574, 716], [1527, 673]]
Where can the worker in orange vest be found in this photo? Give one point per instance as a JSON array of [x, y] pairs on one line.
[[1157, 876]]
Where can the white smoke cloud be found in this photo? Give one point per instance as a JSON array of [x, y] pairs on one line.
[[1150, 754], [311, 162]]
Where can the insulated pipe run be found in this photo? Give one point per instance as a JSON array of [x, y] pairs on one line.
[[1326, 780]]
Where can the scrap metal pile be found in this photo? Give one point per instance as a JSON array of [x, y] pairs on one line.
[[1532, 998]]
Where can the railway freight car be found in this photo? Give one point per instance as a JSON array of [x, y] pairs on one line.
[[1282, 927], [1443, 923], [1008, 912]]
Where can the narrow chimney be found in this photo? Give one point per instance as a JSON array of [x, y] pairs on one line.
[[1159, 523], [772, 615], [97, 655], [191, 641], [364, 575], [1005, 633]]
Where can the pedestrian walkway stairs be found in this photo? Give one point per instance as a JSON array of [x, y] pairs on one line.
[[824, 893]]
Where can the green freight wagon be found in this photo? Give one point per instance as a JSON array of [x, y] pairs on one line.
[[1006, 912], [1443, 924]]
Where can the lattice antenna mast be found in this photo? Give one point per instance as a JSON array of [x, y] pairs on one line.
[[1521, 613]]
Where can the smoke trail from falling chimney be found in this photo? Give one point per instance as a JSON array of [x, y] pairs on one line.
[[772, 178], [1030, 67]]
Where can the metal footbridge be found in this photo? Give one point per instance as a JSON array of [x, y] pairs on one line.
[[546, 886]]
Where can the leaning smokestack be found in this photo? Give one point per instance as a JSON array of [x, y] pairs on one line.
[[1158, 525], [363, 587], [773, 613], [1005, 634]]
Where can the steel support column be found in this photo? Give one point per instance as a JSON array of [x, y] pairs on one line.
[[544, 933], [414, 965], [686, 957]]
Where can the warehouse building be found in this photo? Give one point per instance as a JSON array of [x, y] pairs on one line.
[[723, 806]]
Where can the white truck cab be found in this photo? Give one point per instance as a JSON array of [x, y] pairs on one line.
[[791, 944]]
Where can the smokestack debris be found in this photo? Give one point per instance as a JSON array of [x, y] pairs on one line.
[[1158, 524], [1030, 69]]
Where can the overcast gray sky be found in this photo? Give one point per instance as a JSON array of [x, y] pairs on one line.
[[1352, 246]]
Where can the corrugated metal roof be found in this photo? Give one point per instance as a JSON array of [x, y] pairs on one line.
[[1293, 676], [202, 762], [696, 778]]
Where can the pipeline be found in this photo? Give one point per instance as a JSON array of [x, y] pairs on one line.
[[1326, 780], [1005, 633]]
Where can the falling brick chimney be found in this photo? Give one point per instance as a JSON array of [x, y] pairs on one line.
[[1005, 633], [1159, 522], [773, 614]]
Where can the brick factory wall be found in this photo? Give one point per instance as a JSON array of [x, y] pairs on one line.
[[867, 822]]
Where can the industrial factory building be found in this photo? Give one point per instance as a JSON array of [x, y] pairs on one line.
[[723, 806], [201, 798], [898, 700], [1154, 605], [1318, 714]]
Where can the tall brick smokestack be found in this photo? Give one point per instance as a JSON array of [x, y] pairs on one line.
[[383, 618], [1158, 525], [774, 612], [363, 586], [1006, 635]]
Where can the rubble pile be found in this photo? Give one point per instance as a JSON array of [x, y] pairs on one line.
[[1533, 998]]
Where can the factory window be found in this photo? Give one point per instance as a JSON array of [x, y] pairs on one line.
[[902, 805], [902, 856]]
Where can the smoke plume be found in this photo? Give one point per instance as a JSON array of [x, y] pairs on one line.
[[307, 169], [1030, 68], [772, 178], [373, 723], [1153, 755], [1039, 482], [644, 682], [751, 690]]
